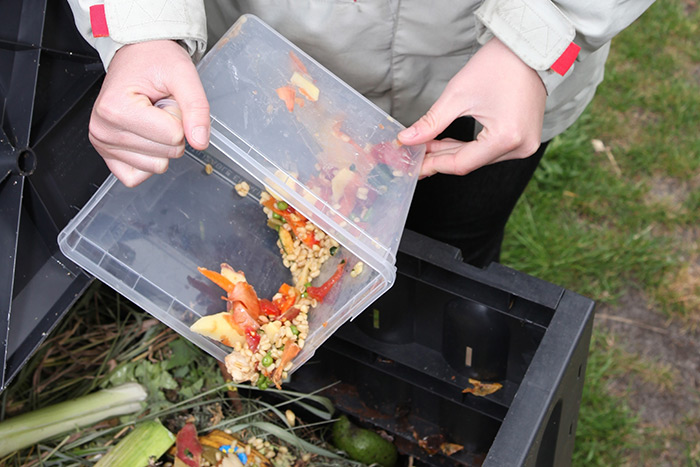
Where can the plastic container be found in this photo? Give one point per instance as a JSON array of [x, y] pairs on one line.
[[332, 156]]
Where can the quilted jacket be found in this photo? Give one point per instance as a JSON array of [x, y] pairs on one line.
[[398, 53]]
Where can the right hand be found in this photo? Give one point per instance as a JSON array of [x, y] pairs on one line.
[[135, 138]]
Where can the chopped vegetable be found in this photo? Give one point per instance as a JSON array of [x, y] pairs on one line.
[[218, 279], [266, 360], [189, 450], [245, 293], [286, 93], [286, 241], [268, 308], [298, 63], [291, 349], [306, 87], [30, 428], [319, 293], [220, 327], [150, 439]]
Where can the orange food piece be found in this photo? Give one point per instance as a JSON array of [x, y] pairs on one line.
[[306, 94], [218, 279], [287, 94], [291, 349], [298, 63]]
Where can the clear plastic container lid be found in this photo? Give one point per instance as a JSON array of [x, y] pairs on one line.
[[311, 138]]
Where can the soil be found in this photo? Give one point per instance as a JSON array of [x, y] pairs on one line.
[[668, 412]]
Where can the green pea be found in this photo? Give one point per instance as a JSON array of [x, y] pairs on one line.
[[294, 330], [304, 295], [308, 284], [276, 216], [282, 206], [267, 360], [263, 384]]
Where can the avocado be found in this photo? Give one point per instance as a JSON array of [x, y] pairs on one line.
[[363, 445]]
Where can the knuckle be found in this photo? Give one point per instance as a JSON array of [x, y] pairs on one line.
[[430, 119], [106, 112], [176, 151]]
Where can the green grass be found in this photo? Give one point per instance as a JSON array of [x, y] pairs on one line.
[[608, 426], [582, 225]]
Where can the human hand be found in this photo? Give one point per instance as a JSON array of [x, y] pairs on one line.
[[135, 138], [498, 90]]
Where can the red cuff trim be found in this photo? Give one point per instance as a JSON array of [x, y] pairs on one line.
[[98, 21], [566, 59]]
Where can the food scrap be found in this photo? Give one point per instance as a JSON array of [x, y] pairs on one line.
[[287, 93], [482, 389], [242, 189], [300, 81], [267, 334]]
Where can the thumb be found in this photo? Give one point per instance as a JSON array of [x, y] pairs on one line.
[[443, 112], [188, 92]]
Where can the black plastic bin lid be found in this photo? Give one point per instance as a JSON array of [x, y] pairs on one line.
[[49, 78]]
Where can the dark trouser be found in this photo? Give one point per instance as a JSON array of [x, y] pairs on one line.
[[471, 211]]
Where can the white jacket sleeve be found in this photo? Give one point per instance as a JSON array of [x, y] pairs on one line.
[[131, 21], [540, 31]]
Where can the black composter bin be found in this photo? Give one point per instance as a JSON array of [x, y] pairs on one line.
[[401, 366], [49, 78]]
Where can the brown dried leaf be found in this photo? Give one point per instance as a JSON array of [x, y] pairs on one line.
[[450, 448], [482, 389]]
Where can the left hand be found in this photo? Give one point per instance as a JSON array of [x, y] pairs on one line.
[[503, 94]]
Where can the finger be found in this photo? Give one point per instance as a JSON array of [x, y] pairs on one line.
[[121, 140], [468, 158], [187, 90], [443, 112], [153, 165], [128, 175], [441, 145]]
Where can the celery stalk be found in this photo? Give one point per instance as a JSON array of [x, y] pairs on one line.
[[30, 428], [148, 440]]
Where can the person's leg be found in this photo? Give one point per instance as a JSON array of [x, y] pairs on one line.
[[471, 211]]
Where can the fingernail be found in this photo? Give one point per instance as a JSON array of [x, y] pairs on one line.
[[200, 135]]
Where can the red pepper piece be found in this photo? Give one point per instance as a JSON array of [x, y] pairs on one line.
[[320, 292], [189, 451], [252, 338], [290, 314], [268, 308], [288, 299]]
